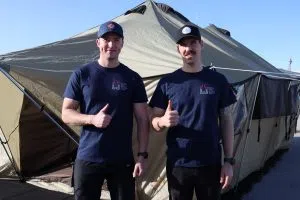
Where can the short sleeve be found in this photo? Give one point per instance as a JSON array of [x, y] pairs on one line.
[[159, 98], [73, 89], [139, 91], [227, 96]]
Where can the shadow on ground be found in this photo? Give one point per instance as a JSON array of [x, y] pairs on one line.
[[246, 185], [15, 190]]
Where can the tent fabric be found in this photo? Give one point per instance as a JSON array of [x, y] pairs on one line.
[[276, 98], [44, 70], [11, 105], [35, 143], [6, 168], [41, 74]]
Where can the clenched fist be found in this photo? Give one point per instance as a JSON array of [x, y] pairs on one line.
[[101, 119], [170, 118]]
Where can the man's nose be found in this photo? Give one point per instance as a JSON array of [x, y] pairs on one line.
[[110, 43], [188, 48]]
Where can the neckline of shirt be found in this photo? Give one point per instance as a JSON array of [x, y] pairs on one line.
[[193, 73], [108, 69]]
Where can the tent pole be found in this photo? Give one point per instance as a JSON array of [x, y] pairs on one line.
[[40, 107], [21, 178], [248, 128]]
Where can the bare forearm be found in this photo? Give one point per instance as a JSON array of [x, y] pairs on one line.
[[73, 117], [227, 135], [143, 134]]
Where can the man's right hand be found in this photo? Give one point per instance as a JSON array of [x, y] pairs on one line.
[[101, 119], [170, 118]]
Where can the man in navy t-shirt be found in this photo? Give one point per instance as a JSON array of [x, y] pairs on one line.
[[193, 102], [102, 97]]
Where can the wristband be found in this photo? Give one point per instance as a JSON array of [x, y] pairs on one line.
[[230, 160], [143, 154]]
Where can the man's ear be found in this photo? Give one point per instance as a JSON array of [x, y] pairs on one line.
[[201, 44], [177, 48], [98, 42], [122, 42]]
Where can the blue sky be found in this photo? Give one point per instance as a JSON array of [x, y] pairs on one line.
[[269, 28]]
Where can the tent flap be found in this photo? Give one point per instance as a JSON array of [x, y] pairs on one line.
[[275, 98]]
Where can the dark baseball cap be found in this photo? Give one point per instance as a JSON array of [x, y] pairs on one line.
[[188, 30], [110, 27]]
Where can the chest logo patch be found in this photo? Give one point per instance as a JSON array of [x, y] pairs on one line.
[[206, 89], [118, 85]]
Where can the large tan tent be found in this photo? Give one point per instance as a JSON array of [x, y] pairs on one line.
[[32, 82]]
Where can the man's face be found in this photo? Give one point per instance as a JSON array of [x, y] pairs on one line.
[[110, 46], [190, 49]]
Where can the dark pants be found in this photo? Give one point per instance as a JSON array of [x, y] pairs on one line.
[[89, 178], [183, 181]]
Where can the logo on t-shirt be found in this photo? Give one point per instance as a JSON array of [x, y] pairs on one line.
[[206, 89], [118, 85]]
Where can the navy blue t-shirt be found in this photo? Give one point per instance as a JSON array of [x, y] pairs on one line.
[[198, 98], [93, 86]]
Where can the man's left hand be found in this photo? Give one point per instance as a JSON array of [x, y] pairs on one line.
[[226, 175], [139, 167]]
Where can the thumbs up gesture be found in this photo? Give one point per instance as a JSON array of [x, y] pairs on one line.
[[101, 119], [170, 118]]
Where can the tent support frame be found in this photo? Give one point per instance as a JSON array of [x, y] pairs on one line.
[[21, 177], [40, 107]]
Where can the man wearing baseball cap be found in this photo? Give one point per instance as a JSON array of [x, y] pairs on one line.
[[190, 102], [102, 96]]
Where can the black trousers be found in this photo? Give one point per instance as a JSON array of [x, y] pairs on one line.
[[183, 181], [89, 178]]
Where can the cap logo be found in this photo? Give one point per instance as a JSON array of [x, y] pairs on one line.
[[110, 26], [186, 30]]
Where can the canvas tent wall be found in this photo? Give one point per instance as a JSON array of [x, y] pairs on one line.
[[32, 143], [151, 51]]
